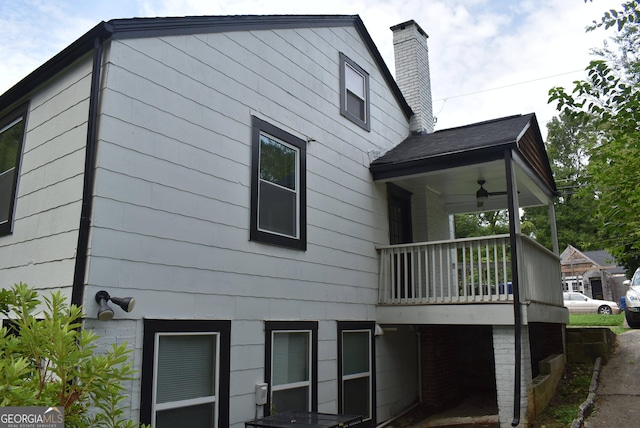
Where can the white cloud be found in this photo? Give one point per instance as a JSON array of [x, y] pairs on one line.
[[31, 32], [474, 45]]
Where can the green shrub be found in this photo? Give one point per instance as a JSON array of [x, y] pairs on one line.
[[48, 359]]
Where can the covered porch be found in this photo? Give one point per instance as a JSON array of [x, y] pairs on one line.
[[492, 304], [430, 177]]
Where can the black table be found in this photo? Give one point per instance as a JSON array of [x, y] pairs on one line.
[[301, 419]]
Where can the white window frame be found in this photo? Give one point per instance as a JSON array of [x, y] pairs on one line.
[[364, 123], [309, 382], [190, 402], [296, 191]]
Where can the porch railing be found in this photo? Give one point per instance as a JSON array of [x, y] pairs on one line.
[[466, 271]]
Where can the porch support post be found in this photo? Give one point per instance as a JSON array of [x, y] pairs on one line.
[[514, 229]]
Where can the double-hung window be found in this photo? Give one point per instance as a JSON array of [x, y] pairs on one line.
[[11, 136], [278, 187], [291, 362], [354, 93], [186, 374], [356, 368]]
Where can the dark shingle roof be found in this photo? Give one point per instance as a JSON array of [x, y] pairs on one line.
[[477, 136], [603, 258], [468, 145]]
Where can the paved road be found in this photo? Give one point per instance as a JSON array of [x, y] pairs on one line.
[[618, 395]]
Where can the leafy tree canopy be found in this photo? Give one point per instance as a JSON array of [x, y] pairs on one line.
[[568, 144], [609, 98]]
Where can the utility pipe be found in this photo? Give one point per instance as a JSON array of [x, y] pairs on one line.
[[82, 249], [517, 311]]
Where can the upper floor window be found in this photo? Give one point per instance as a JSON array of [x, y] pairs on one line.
[[278, 187], [354, 93], [11, 136]]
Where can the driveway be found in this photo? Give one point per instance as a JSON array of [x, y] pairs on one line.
[[618, 395]]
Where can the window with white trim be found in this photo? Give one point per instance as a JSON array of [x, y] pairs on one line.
[[185, 374], [292, 366], [356, 368], [354, 93], [278, 211], [11, 136]]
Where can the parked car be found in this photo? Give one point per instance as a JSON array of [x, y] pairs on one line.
[[632, 300], [578, 303]]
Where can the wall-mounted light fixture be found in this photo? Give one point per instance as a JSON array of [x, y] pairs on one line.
[[105, 313]]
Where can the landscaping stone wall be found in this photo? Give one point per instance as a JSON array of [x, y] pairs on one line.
[[585, 345]]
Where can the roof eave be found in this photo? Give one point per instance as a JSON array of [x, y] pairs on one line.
[[56, 64], [150, 27], [443, 161]]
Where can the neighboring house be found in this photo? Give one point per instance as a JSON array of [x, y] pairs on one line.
[[282, 214], [593, 273]]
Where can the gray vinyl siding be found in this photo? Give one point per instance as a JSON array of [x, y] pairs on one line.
[[172, 188], [41, 249], [170, 222]]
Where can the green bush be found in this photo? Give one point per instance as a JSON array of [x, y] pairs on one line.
[[48, 359]]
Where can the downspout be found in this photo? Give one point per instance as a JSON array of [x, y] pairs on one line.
[[82, 249], [517, 313]]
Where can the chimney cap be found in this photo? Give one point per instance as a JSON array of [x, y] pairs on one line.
[[406, 24]]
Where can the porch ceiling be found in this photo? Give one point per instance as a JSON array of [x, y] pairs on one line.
[[457, 186]]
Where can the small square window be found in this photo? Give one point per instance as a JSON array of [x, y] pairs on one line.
[[278, 187], [354, 93]]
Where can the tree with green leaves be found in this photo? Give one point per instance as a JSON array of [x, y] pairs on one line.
[[610, 99], [48, 359], [568, 144], [482, 224]]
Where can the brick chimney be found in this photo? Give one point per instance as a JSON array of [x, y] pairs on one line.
[[412, 73]]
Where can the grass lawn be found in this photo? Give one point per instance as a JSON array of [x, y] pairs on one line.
[[615, 322]]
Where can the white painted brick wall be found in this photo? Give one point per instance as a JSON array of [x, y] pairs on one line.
[[119, 332], [504, 355], [412, 73]]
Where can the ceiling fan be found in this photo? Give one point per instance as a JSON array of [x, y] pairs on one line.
[[482, 194]]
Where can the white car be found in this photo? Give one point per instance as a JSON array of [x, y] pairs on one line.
[[578, 303], [632, 301]]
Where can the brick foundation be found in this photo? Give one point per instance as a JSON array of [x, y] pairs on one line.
[[438, 365]]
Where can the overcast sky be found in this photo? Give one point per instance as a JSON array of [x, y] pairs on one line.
[[489, 58]]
